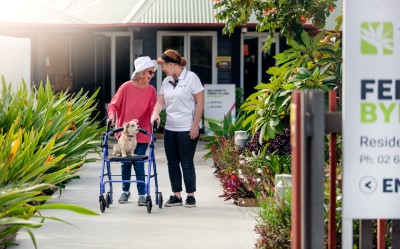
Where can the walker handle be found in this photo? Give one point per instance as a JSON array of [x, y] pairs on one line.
[[109, 123], [118, 130], [143, 131], [155, 127]]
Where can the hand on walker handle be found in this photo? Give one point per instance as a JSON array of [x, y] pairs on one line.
[[110, 123], [111, 119], [155, 118]]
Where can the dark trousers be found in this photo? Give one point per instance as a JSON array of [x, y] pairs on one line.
[[180, 149]]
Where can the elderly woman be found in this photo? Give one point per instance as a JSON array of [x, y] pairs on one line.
[[182, 93], [135, 99]]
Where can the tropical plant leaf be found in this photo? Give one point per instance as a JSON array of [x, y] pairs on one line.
[[68, 207]]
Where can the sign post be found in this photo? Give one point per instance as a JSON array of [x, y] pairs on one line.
[[219, 101], [371, 112]]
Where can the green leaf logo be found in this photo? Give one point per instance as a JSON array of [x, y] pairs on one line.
[[376, 38]]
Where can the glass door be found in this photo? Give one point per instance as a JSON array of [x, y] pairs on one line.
[[176, 42], [117, 58], [198, 48], [113, 63], [250, 60], [122, 60], [255, 61], [201, 57]]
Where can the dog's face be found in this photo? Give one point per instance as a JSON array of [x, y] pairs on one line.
[[131, 128]]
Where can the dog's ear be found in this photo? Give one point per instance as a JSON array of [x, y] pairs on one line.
[[135, 120]]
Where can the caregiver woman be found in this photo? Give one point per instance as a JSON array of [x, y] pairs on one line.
[[182, 94]]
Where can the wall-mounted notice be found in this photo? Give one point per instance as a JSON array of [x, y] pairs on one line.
[[371, 111], [219, 101]]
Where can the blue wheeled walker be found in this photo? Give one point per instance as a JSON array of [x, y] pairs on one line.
[[106, 177]]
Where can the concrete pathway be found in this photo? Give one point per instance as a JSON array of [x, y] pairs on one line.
[[214, 223]]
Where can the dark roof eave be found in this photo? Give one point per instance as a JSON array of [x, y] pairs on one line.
[[184, 25], [117, 25]]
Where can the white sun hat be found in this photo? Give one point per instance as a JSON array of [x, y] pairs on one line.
[[143, 63]]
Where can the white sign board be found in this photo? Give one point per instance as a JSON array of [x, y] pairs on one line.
[[219, 101], [371, 111]]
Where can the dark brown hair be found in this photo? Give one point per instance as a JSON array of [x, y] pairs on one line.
[[171, 56]]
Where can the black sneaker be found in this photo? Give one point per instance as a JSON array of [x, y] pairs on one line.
[[173, 201], [190, 201]]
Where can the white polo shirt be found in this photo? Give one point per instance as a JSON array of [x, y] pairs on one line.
[[179, 101]]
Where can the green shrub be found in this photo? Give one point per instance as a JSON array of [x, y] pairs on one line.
[[258, 170], [63, 120], [25, 160], [18, 205], [274, 223], [239, 100], [226, 160], [44, 139], [310, 63], [222, 129]]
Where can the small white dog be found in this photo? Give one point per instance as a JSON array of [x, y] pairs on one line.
[[127, 141]]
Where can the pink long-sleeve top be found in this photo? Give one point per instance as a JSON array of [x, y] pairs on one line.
[[133, 102]]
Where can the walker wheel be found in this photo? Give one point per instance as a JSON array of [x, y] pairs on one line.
[[108, 200], [102, 203], [149, 204], [160, 200]]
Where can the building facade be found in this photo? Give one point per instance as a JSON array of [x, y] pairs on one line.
[[91, 44]]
